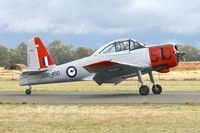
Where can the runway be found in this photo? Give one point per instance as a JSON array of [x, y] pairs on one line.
[[98, 98]]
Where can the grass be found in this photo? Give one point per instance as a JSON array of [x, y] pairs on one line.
[[129, 85], [24, 117], [99, 118]]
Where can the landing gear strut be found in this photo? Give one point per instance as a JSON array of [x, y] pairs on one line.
[[144, 90], [156, 88], [28, 91]]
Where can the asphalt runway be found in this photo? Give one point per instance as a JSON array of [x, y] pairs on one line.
[[98, 98]]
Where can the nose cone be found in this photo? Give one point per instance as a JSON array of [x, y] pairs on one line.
[[180, 56]]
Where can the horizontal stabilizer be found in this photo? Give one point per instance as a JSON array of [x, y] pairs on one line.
[[34, 72]]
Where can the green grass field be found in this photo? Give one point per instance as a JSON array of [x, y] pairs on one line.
[[20, 118]]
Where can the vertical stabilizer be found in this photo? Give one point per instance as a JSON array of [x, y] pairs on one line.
[[37, 55]]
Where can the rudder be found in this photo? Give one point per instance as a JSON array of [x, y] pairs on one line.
[[37, 55]]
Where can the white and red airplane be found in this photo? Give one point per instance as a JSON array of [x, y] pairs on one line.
[[112, 63]]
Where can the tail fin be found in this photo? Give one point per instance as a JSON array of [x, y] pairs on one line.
[[38, 56]]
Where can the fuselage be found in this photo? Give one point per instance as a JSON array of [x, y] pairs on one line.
[[59, 73], [160, 57]]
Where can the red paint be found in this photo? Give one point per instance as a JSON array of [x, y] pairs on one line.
[[100, 64], [163, 55], [164, 71], [42, 52]]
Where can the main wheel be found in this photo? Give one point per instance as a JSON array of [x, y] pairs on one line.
[[157, 89], [144, 90], [28, 91]]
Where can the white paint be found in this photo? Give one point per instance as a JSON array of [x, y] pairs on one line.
[[46, 61], [32, 56], [71, 72]]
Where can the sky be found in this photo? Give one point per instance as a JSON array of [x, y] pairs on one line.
[[93, 23]]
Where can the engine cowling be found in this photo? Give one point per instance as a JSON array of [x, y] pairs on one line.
[[164, 70], [163, 57]]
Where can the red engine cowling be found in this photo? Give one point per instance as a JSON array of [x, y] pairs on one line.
[[163, 58]]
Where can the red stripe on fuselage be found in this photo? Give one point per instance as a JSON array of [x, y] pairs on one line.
[[100, 64]]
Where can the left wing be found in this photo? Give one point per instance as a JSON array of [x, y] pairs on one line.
[[108, 71]]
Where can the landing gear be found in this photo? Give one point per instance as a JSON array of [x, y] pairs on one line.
[[144, 90], [28, 91], [156, 89]]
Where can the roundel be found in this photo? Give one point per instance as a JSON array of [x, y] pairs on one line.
[[71, 71]]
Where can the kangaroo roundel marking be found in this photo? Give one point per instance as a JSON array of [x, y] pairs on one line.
[[71, 71]]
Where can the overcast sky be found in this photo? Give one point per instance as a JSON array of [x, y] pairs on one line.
[[92, 23]]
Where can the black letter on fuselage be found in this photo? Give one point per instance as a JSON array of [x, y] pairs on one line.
[[154, 56]]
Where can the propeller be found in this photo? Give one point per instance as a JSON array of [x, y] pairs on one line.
[[180, 56]]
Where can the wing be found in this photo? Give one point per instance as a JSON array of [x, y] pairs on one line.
[[112, 72]]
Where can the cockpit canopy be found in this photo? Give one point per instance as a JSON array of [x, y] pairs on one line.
[[119, 46]]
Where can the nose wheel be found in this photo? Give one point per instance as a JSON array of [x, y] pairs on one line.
[[28, 91]]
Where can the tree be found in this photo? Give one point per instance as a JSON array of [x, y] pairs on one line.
[[4, 56], [14, 56], [18, 55], [22, 50], [192, 54], [60, 53], [82, 52]]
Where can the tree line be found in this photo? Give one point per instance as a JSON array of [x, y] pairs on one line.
[[191, 53], [60, 52], [63, 53]]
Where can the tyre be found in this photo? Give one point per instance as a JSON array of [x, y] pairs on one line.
[[157, 89], [28, 91], [144, 90]]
